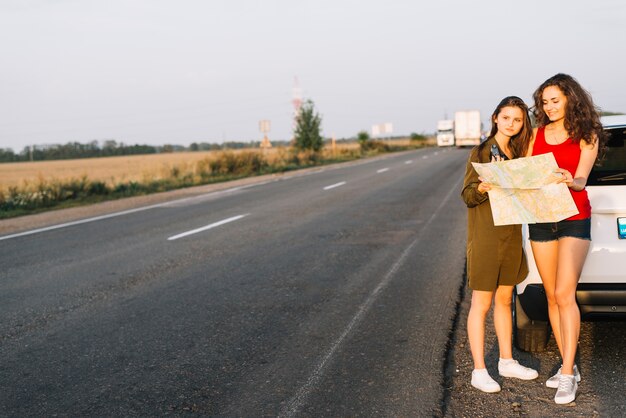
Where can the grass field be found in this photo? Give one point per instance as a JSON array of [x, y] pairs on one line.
[[109, 169], [113, 170]]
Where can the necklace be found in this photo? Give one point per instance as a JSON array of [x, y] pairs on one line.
[[557, 138]]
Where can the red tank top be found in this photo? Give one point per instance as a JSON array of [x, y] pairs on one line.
[[567, 156]]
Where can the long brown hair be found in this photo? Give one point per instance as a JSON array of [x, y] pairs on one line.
[[582, 119], [519, 143]]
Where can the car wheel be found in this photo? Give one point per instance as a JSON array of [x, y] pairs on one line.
[[528, 334]]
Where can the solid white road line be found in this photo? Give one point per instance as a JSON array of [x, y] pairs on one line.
[[82, 221], [332, 186], [382, 170], [127, 212], [291, 408], [204, 228]]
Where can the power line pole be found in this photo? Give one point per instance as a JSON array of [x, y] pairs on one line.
[[265, 126]]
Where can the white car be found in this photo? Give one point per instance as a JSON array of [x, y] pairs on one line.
[[601, 292]]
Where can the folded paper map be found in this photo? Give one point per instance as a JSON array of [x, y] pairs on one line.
[[524, 191]]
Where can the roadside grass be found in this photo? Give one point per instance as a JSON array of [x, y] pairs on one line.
[[47, 193]]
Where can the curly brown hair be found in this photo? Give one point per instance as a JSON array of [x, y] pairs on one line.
[[582, 118]]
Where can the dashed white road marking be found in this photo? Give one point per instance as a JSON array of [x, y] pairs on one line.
[[382, 170], [204, 228], [408, 162], [332, 186]]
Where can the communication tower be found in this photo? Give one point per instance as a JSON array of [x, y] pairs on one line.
[[297, 102]]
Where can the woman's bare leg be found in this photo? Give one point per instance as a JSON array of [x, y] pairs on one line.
[[546, 258], [571, 258], [481, 302], [503, 321]]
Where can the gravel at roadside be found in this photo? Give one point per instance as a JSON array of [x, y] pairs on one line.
[[600, 360]]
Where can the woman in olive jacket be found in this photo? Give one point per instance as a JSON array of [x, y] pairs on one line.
[[495, 259]]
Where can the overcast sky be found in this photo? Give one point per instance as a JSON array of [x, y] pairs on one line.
[[165, 71]]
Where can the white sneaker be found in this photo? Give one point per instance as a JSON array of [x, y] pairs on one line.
[[553, 382], [482, 381], [511, 368], [566, 391]]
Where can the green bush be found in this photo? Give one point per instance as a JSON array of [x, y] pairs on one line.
[[308, 127], [98, 188], [375, 147]]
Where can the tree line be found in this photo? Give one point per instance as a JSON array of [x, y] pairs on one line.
[[108, 148]]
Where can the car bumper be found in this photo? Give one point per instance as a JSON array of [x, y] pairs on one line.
[[595, 300], [601, 300]]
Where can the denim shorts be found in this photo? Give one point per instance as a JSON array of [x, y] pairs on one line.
[[552, 231]]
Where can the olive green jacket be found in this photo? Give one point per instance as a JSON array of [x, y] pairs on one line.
[[494, 253]]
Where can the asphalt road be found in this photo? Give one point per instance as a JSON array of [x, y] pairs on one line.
[[332, 293]]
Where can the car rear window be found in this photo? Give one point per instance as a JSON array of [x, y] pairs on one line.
[[612, 170]]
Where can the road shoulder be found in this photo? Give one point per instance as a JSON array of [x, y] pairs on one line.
[[517, 398]]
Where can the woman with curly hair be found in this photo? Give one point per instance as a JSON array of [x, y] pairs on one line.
[[568, 125]]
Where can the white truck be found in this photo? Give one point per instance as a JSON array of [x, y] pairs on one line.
[[445, 133], [467, 128]]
